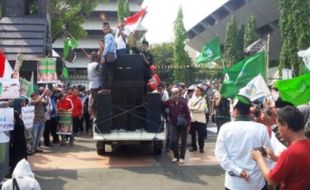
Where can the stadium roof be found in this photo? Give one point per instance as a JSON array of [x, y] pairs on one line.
[[266, 13]]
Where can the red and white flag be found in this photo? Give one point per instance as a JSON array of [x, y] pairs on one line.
[[6, 70], [133, 22]]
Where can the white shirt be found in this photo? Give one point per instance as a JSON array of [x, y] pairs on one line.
[[197, 106], [164, 95], [233, 148], [120, 43], [94, 76]]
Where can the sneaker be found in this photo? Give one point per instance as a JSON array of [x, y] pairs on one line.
[[30, 152], [193, 150], [174, 160], [201, 151], [181, 161], [38, 150]]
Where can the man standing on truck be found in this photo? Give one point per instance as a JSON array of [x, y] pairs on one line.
[[109, 57], [180, 122]]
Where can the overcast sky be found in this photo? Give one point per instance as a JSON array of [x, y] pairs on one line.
[[162, 13]]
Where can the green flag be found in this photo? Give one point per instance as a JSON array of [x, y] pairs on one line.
[[69, 45], [210, 52], [295, 90], [65, 72], [239, 74]]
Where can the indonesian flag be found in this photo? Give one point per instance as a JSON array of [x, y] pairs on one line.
[[5, 67], [132, 22]]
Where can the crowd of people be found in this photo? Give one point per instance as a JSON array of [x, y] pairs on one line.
[[248, 132], [59, 114]]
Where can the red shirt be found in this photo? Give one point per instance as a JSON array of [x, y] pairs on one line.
[[64, 104], [292, 170], [153, 82], [77, 105]]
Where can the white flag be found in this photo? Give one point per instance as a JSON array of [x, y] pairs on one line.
[[255, 89], [305, 54], [256, 47]]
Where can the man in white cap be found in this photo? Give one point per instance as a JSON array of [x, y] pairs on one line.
[[234, 144]]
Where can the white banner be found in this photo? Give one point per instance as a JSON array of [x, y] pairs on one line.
[[9, 88], [255, 89], [6, 119], [28, 116], [305, 54]]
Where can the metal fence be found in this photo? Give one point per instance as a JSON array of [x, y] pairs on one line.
[[192, 74]]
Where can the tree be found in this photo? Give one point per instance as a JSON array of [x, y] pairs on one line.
[[250, 35], [180, 56], [69, 15], [230, 44], [240, 42], [294, 25], [122, 9], [301, 28], [163, 59]]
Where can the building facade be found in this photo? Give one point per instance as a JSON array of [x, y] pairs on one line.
[[266, 13], [93, 26]]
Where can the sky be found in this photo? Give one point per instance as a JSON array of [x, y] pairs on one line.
[[162, 13]]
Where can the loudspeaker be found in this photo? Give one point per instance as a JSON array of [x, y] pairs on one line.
[[129, 68], [153, 110], [104, 106], [120, 118], [137, 119], [130, 93]]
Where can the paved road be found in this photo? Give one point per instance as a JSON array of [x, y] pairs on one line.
[[127, 167]]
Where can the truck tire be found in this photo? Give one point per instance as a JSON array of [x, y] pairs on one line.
[[100, 145], [157, 147]]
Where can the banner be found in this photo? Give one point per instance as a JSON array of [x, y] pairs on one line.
[[18, 64], [239, 74], [305, 55], [256, 47], [6, 119], [47, 70], [28, 116], [255, 89], [211, 51], [68, 52], [295, 90], [25, 87], [65, 123], [9, 88]]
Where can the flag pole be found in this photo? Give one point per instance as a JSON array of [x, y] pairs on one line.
[[267, 56]]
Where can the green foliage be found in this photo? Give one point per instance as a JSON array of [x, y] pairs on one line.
[[250, 35], [70, 14], [163, 58], [240, 42], [180, 56], [294, 27], [122, 9], [230, 44]]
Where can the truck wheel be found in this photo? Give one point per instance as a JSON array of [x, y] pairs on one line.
[[100, 148], [158, 147]]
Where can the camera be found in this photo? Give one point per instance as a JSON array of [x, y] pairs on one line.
[[262, 150]]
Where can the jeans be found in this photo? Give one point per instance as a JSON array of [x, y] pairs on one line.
[[178, 132], [168, 134], [200, 128], [37, 132], [123, 51]]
